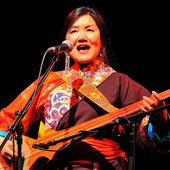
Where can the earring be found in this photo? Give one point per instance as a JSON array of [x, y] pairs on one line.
[[67, 63], [102, 58]]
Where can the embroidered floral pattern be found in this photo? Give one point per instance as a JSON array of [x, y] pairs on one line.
[[60, 100], [57, 104]]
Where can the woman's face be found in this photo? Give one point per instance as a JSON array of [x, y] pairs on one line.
[[85, 36]]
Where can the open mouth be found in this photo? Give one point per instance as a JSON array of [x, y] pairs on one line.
[[83, 47]]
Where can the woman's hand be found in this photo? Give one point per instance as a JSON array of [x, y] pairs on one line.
[[154, 102], [6, 154], [7, 150]]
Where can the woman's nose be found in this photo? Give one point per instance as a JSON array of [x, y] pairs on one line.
[[82, 36]]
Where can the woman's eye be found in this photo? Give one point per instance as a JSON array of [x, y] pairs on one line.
[[89, 30], [73, 31]]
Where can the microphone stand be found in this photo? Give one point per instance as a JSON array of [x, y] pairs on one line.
[[17, 125], [131, 164]]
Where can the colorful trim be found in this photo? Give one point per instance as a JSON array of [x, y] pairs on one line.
[[2, 133]]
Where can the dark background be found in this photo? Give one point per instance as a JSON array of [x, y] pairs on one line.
[[139, 34]]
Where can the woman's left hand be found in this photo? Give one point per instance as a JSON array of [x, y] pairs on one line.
[[150, 103]]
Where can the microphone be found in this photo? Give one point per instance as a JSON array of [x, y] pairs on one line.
[[65, 47]]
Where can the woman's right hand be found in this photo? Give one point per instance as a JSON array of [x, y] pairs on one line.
[[7, 150]]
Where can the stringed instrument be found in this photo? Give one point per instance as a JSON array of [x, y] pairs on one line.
[[62, 137]]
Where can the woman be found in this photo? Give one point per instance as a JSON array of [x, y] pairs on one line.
[[70, 97]]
